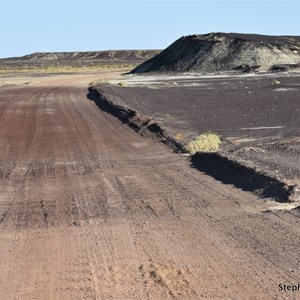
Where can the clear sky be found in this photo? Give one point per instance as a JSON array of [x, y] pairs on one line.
[[41, 26]]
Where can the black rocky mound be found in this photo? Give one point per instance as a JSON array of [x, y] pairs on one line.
[[216, 52]]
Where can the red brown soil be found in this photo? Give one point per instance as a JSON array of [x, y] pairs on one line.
[[91, 210]]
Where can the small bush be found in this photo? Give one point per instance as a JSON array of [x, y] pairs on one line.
[[206, 142]]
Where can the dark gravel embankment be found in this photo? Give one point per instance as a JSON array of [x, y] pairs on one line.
[[257, 117]]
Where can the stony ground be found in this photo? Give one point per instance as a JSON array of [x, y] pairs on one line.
[[257, 116]]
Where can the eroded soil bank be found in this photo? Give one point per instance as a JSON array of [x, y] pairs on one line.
[[257, 117]]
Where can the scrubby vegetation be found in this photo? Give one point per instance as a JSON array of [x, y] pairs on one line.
[[206, 142], [276, 82], [122, 83]]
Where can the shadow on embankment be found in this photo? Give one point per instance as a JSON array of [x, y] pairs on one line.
[[107, 106], [141, 124], [247, 179]]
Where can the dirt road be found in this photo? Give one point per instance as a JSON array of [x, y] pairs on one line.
[[91, 210]]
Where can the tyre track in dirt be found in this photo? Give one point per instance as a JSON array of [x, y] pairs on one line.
[[91, 210]]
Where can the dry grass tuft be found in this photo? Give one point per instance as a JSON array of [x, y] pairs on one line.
[[122, 83], [206, 142]]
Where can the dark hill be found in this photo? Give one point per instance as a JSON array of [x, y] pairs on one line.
[[108, 55], [224, 52], [93, 58]]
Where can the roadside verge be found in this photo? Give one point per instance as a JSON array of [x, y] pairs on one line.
[[217, 164]]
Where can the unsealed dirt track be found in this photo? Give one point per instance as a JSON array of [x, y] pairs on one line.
[[91, 210]]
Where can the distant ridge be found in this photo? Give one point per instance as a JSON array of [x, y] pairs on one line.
[[215, 52], [89, 55]]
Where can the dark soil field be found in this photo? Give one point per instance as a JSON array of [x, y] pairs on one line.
[[231, 106], [257, 116]]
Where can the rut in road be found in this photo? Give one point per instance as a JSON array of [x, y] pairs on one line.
[[91, 210]]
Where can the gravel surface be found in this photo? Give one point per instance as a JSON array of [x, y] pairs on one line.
[[257, 116]]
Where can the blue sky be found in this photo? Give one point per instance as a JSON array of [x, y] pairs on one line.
[[40, 26]]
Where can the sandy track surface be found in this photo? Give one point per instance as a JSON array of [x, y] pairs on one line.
[[91, 210]]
